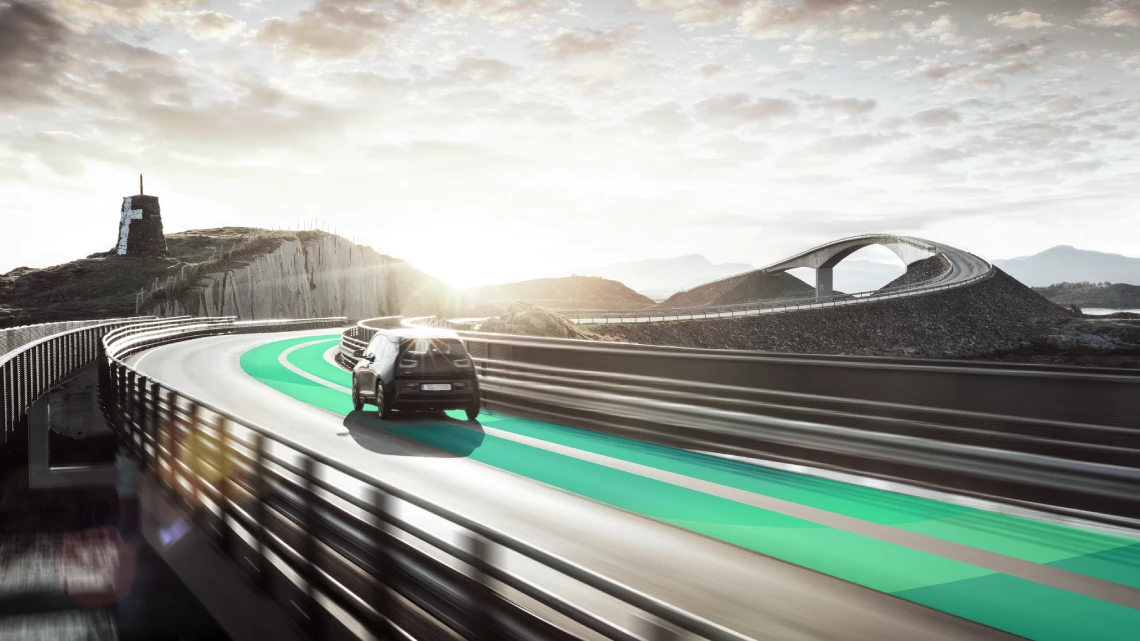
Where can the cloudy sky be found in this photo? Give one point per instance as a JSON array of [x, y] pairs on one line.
[[493, 140]]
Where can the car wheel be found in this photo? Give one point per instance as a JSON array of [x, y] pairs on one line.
[[472, 412], [357, 404], [381, 403]]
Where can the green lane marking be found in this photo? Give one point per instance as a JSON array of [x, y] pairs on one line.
[[1010, 535], [1121, 565], [853, 557], [261, 363], [1015, 605], [1021, 607], [312, 360], [1031, 610]]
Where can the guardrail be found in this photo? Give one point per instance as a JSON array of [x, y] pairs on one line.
[[323, 536], [43, 356], [1056, 438]]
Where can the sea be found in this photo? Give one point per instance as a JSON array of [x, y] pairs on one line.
[[1100, 311]]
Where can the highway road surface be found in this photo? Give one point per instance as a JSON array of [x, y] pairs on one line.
[[769, 553]]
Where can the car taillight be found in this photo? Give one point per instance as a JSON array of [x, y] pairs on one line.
[[459, 384], [412, 385], [461, 362], [407, 363]]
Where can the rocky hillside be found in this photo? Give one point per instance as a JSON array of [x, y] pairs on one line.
[[921, 271], [247, 272], [750, 287], [996, 318], [1107, 295], [571, 292], [529, 320]]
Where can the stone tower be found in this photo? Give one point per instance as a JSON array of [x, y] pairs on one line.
[[140, 226]]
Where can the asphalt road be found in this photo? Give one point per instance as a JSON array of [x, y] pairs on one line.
[[655, 521]]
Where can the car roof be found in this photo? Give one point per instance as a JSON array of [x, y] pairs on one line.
[[418, 332]]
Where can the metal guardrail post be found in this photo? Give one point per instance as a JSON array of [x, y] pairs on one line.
[[260, 485], [485, 605], [152, 427], [225, 468], [140, 418], [310, 550], [656, 630], [193, 455], [381, 560]]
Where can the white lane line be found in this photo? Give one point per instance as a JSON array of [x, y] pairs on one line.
[[330, 355], [1046, 575], [284, 360]]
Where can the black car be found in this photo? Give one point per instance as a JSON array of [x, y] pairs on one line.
[[411, 368]]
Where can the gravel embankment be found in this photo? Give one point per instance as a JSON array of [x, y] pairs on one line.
[[921, 271]]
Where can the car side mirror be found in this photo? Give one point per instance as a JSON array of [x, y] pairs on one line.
[[357, 353]]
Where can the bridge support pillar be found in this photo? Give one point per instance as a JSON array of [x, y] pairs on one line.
[[823, 282]]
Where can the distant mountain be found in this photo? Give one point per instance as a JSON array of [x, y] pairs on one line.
[[661, 277], [860, 275], [1067, 264], [570, 292]]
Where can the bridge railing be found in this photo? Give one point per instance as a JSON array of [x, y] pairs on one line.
[[40, 357], [323, 536]]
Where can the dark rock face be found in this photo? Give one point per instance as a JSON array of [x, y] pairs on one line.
[[140, 228]]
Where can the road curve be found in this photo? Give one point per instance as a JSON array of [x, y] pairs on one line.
[[752, 593], [965, 268]]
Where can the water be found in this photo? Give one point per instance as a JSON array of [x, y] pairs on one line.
[[1100, 311]]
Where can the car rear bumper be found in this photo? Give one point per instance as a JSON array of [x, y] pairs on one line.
[[411, 398]]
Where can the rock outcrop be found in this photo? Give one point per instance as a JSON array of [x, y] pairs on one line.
[[318, 275], [921, 271], [751, 287], [529, 320]]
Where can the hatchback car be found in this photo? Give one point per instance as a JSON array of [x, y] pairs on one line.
[[412, 368]]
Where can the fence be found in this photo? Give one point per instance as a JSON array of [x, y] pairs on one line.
[[39, 357]]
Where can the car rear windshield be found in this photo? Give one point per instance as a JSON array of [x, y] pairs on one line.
[[418, 348]]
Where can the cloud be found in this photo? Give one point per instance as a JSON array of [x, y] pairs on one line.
[[801, 54], [739, 109], [849, 106], [942, 30], [1024, 20], [1114, 13], [33, 53], [765, 19], [583, 41], [936, 117], [331, 29], [478, 71], [209, 25]]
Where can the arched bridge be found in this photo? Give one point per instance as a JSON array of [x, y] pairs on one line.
[[825, 257]]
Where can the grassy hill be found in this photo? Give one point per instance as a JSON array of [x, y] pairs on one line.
[[571, 292]]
